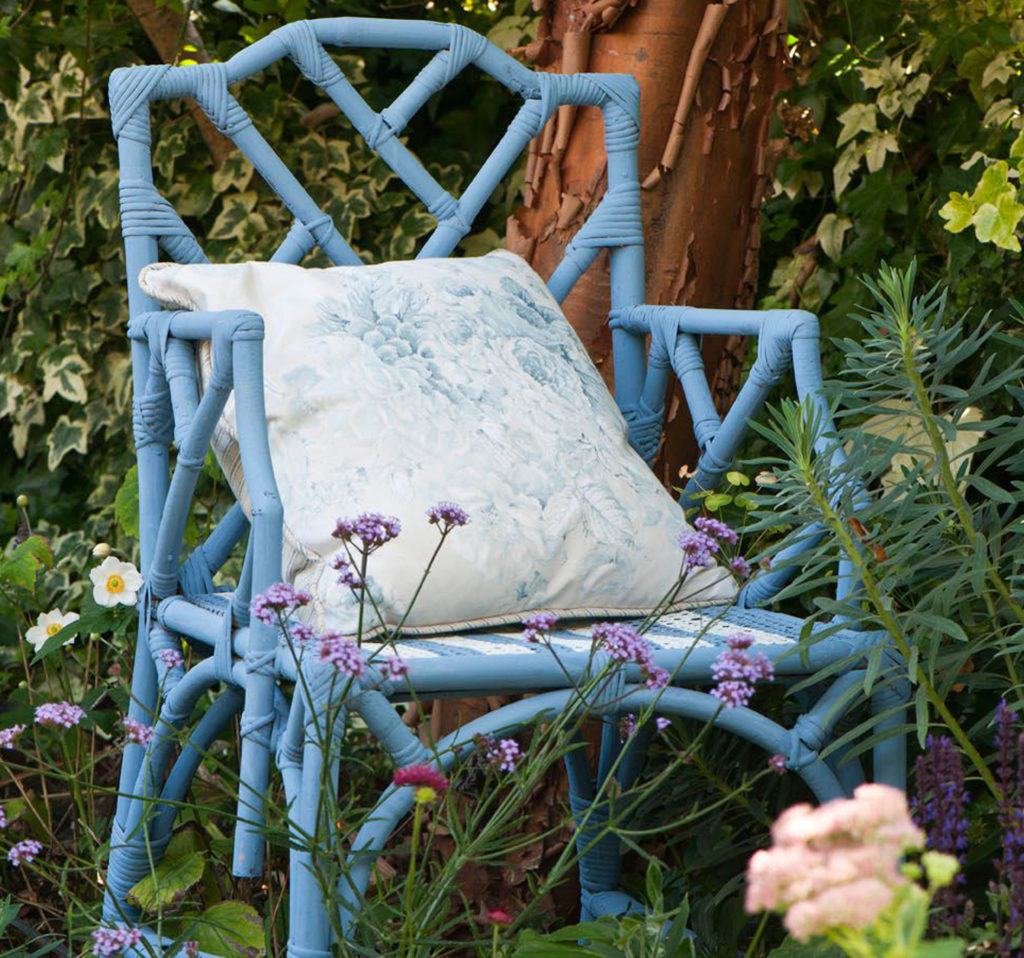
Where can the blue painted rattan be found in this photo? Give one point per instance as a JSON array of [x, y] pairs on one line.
[[246, 659]]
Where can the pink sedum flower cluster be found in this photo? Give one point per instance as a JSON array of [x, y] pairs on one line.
[[836, 865]]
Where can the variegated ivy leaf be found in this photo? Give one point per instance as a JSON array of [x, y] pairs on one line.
[[66, 436], [64, 375], [234, 174], [30, 412], [236, 208], [831, 231], [876, 147], [846, 166], [859, 118]]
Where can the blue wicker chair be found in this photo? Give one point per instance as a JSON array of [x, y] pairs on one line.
[[241, 657]]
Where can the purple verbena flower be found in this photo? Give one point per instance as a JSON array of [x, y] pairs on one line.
[[59, 714], [372, 529], [343, 654], [538, 626], [191, 949], [171, 658], [276, 601], [740, 566], [346, 574], [395, 667], [301, 633], [777, 763], [657, 677], [113, 941], [25, 851], [716, 528], [505, 754], [3, 818], [447, 515], [735, 671], [627, 726], [699, 549], [662, 723], [9, 736], [137, 732]]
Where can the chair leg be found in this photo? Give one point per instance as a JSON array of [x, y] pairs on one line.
[[309, 928], [889, 757]]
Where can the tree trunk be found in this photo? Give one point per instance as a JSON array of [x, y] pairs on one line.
[[708, 74]]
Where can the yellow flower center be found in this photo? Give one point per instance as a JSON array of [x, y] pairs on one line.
[[115, 583], [53, 628], [424, 794]]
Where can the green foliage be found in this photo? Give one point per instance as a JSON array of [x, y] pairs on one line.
[[900, 138], [64, 360]]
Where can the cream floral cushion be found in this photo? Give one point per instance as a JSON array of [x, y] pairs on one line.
[[391, 387]]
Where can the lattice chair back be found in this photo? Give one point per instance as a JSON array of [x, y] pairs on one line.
[[166, 407]]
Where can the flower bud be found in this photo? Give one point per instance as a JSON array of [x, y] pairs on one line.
[[101, 550], [22, 501]]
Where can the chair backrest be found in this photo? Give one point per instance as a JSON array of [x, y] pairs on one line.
[[149, 220]]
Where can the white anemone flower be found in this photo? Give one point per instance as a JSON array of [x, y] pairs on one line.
[[48, 625], [115, 583]]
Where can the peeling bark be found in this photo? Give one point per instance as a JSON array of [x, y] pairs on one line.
[[169, 31], [708, 73]]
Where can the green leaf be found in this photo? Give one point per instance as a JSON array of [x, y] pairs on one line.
[[996, 223], [231, 928], [20, 567], [64, 375], [831, 231], [947, 948], [66, 436], [717, 500], [958, 212], [126, 503], [169, 881], [858, 118], [816, 948]]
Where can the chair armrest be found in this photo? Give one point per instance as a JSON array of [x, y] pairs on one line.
[[786, 338]]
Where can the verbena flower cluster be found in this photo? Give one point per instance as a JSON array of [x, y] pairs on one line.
[[395, 667], [735, 671], [838, 864], [171, 658], [447, 515], [25, 851], [504, 754], [624, 644], [278, 600], [699, 549], [59, 714], [9, 736], [347, 576], [341, 652], [113, 941], [537, 627], [137, 732], [1010, 812], [372, 529]]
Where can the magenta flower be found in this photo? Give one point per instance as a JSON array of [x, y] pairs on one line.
[[777, 763], [716, 528], [343, 654], [24, 851], [372, 529], [346, 574], [447, 515], [137, 732], [740, 566], [276, 601], [735, 671], [420, 776], [537, 627], [171, 658], [113, 941], [395, 667], [498, 916], [9, 736], [59, 714]]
